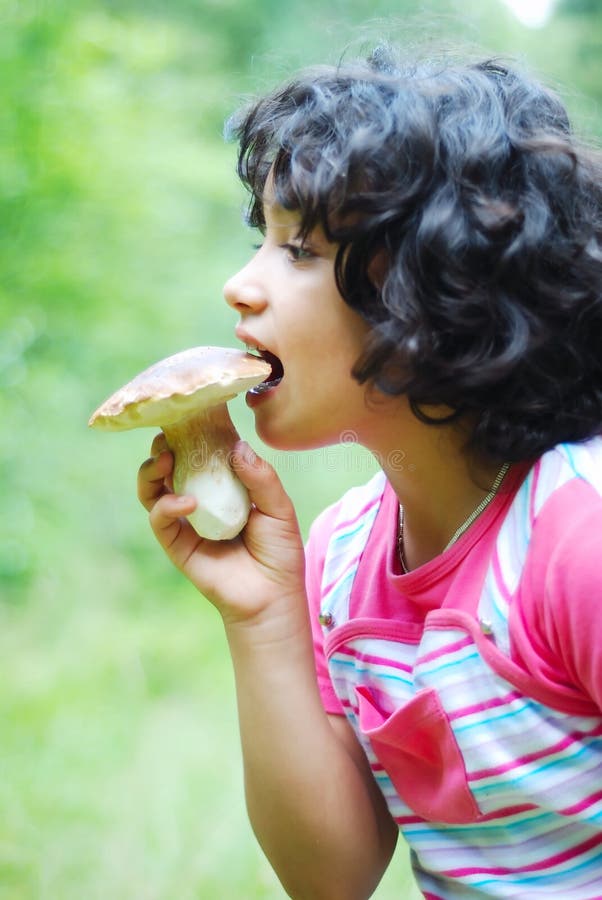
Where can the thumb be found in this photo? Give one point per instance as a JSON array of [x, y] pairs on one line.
[[262, 482]]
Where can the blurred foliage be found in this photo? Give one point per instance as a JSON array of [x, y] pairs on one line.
[[120, 219]]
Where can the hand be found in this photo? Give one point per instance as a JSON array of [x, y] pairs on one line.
[[249, 576]]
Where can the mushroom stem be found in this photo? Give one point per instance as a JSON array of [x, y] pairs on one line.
[[202, 444]]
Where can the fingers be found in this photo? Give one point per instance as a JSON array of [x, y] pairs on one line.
[[159, 444], [175, 534], [166, 509], [265, 488], [152, 477]]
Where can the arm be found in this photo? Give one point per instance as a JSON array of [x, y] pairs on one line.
[[311, 797]]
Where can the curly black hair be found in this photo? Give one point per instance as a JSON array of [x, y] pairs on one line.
[[464, 188]]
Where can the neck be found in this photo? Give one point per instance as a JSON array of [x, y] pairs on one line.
[[438, 485]]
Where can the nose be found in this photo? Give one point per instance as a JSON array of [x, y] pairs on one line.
[[244, 291]]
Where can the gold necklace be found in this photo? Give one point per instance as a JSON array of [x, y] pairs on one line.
[[465, 524]]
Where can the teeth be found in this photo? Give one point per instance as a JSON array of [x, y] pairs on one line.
[[257, 348], [265, 386], [261, 388]]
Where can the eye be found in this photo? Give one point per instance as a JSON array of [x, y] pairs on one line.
[[298, 252], [259, 235]]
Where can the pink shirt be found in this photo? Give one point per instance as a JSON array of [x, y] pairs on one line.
[[560, 644], [474, 682]]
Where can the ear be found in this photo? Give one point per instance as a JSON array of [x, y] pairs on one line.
[[378, 267]]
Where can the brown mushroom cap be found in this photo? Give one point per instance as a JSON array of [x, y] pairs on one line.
[[180, 385]]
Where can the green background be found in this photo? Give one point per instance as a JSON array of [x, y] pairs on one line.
[[120, 219]]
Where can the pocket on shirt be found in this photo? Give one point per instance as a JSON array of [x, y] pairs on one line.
[[418, 749]]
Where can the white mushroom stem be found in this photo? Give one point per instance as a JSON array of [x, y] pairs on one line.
[[202, 446]]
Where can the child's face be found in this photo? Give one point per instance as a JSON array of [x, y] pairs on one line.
[[289, 304]]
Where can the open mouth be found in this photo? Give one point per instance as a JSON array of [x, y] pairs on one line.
[[275, 376]]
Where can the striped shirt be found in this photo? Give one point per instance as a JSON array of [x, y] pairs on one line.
[[474, 683]]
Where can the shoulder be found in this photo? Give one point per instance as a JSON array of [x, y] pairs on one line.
[[567, 464], [343, 516], [350, 508], [559, 496], [566, 543], [561, 507], [558, 617], [565, 500]]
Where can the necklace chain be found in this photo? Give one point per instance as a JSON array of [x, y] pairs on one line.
[[465, 524]]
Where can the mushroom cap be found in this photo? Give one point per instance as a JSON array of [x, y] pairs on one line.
[[180, 385]]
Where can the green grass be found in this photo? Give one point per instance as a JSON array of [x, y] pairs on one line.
[[120, 738], [120, 772]]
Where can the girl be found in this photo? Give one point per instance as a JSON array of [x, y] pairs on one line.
[[429, 280]]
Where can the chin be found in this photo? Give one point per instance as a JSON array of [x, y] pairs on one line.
[[286, 441]]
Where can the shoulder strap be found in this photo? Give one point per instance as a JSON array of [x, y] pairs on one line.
[[554, 469], [356, 515]]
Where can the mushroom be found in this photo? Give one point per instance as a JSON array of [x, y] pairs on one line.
[[185, 395]]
